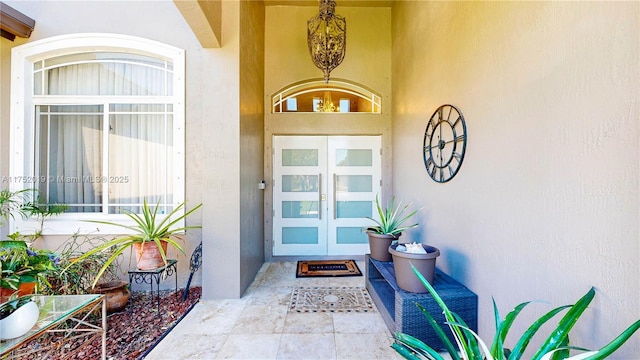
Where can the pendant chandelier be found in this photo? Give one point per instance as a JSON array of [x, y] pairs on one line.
[[326, 105], [327, 38]]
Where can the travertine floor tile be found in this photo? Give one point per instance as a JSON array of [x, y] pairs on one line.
[[307, 323], [211, 317], [250, 347], [269, 295], [259, 326], [307, 347], [261, 319], [364, 346], [188, 346], [358, 323], [350, 281]]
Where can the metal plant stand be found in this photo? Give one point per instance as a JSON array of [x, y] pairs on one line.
[[194, 265], [150, 276]]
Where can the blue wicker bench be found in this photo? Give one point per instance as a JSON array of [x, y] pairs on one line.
[[398, 307]]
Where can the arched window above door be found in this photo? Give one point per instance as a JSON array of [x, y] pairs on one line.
[[317, 96]]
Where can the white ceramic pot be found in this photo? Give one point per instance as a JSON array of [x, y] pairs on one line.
[[20, 321]]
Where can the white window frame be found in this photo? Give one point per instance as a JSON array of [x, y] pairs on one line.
[[336, 86], [23, 121]]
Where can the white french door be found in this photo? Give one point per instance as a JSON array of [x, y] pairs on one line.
[[324, 187]]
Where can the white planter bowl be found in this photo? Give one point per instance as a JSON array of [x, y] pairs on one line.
[[19, 322]]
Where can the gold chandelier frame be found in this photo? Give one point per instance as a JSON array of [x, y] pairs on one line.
[[327, 38]]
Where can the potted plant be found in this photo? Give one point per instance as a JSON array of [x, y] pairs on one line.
[[149, 238], [23, 268], [17, 316], [420, 256], [389, 226], [75, 276]]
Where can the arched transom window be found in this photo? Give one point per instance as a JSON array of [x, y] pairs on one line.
[[317, 96]]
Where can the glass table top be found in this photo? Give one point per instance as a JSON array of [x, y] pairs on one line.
[[53, 310]]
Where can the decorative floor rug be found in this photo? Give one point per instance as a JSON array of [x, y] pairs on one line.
[[331, 299], [327, 268]]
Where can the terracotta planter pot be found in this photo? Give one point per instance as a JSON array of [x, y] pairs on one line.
[[117, 294], [425, 263], [20, 321], [148, 256], [379, 245], [23, 289]]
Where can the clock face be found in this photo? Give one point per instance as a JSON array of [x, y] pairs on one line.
[[445, 140]]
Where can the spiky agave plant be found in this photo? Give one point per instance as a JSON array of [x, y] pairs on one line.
[[391, 219], [469, 346], [147, 229]]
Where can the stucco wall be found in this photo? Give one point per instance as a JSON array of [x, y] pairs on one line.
[[546, 203], [251, 139], [212, 117]]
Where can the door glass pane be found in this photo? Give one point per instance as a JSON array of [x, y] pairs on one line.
[[299, 209], [300, 235], [299, 157], [351, 235], [354, 183], [299, 183], [354, 157], [353, 209]]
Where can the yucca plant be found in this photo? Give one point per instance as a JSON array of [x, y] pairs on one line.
[[469, 346], [391, 219], [148, 230]]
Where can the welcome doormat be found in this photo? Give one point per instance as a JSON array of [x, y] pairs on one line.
[[327, 268], [330, 299]]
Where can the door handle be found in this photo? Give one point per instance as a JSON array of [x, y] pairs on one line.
[[335, 200], [319, 196]]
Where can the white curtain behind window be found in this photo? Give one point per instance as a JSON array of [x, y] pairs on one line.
[[72, 140], [139, 137]]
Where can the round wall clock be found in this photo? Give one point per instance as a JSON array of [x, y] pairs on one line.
[[445, 140]]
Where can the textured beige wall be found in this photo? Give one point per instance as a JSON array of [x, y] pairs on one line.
[[251, 139], [212, 117], [546, 203], [220, 136], [367, 59]]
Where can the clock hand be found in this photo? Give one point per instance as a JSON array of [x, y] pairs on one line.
[[459, 138]]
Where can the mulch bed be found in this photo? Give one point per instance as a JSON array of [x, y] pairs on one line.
[[130, 336]]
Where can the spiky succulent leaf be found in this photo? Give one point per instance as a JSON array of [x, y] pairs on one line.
[[557, 336]]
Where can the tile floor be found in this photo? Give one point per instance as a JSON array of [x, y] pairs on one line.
[[259, 326]]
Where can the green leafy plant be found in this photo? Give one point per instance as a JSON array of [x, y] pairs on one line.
[[75, 276], [391, 219], [147, 229], [470, 345], [42, 212], [12, 202], [22, 264], [20, 202], [13, 304]]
